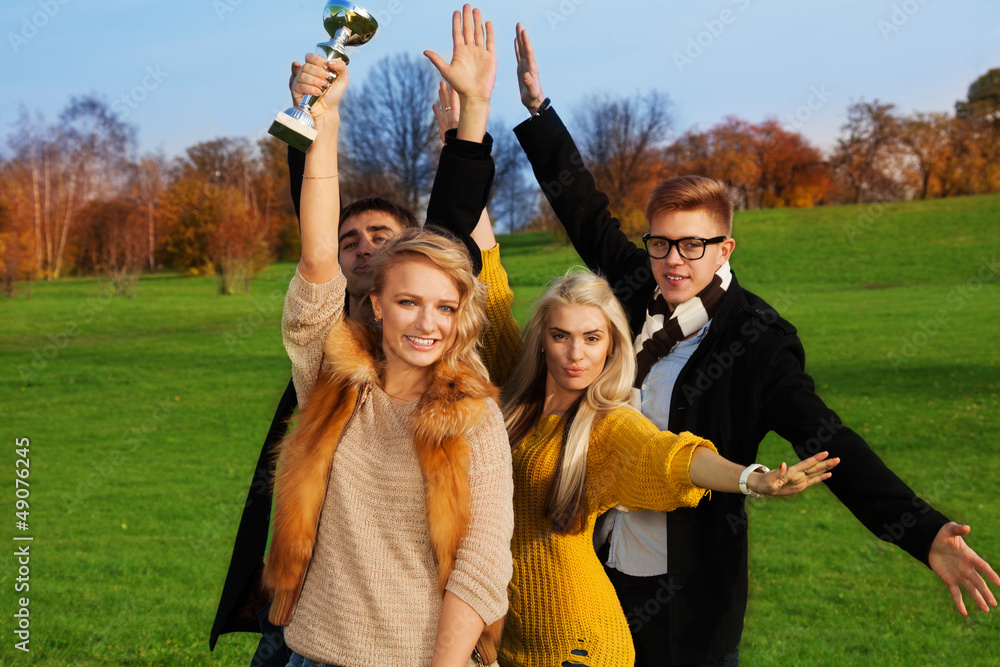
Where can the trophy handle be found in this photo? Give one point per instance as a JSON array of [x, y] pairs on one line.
[[332, 49]]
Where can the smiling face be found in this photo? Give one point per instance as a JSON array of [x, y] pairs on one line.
[[359, 240], [577, 343], [680, 279], [418, 306]]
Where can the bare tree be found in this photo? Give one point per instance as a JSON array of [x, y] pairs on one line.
[[98, 148], [391, 139], [866, 156], [147, 188], [620, 141], [512, 204]]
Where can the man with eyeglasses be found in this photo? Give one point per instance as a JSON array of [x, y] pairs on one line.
[[716, 360]]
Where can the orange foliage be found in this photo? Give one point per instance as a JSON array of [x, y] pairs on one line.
[[765, 164]]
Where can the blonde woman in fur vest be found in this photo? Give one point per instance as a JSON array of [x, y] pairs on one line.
[[578, 450], [393, 517]]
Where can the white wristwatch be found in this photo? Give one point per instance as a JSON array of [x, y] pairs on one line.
[[746, 473]]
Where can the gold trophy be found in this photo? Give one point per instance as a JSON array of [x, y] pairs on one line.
[[348, 25]]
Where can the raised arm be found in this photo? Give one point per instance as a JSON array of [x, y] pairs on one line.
[[320, 203], [571, 191], [448, 115], [315, 299], [465, 172], [471, 73]]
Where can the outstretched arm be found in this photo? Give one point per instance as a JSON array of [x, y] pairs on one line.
[[710, 470], [866, 485]]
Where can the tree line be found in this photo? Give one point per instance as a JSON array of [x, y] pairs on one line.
[[76, 198]]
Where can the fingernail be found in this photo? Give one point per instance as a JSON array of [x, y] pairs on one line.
[[330, 77], [324, 87]]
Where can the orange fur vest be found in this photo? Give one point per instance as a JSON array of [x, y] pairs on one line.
[[453, 405]]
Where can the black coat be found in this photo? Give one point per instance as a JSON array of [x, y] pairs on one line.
[[459, 194], [746, 378]]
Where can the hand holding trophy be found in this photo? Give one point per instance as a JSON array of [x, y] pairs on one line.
[[348, 25]]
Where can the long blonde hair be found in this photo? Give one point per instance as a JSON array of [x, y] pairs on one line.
[[452, 258], [524, 394]]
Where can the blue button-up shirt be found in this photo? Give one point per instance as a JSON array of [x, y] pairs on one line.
[[639, 539]]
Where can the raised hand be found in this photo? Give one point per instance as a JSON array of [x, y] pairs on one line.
[[447, 110], [787, 481], [528, 81], [956, 563], [320, 78], [472, 71]]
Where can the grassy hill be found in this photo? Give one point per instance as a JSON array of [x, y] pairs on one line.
[[145, 418]]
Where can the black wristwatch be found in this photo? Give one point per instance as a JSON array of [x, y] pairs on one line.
[[546, 103]]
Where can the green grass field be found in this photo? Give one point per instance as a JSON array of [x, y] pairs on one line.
[[145, 418]]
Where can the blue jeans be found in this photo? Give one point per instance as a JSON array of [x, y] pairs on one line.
[[298, 661]]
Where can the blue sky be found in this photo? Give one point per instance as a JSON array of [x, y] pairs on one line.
[[190, 71]]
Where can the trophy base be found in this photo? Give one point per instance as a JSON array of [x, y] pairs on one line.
[[292, 131]]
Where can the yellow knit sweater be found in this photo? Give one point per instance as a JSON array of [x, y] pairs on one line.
[[562, 605]]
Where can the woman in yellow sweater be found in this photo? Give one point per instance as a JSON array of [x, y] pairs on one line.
[[578, 449]]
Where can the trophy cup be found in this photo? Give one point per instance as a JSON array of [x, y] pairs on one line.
[[348, 25]]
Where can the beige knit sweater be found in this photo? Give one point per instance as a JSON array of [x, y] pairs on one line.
[[370, 595]]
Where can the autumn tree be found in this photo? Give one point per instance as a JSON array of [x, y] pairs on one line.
[[390, 138], [113, 242], [977, 134], [866, 157], [213, 221], [763, 163], [930, 141], [983, 103], [790, 170], [275, 200], [620, 141], [17, 240]]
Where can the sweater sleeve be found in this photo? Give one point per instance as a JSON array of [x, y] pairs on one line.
[[483, 563], [584, 211], [500, 343], [309, 313], [645, 468]]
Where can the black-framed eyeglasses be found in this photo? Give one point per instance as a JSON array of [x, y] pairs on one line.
[[690, 248]]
